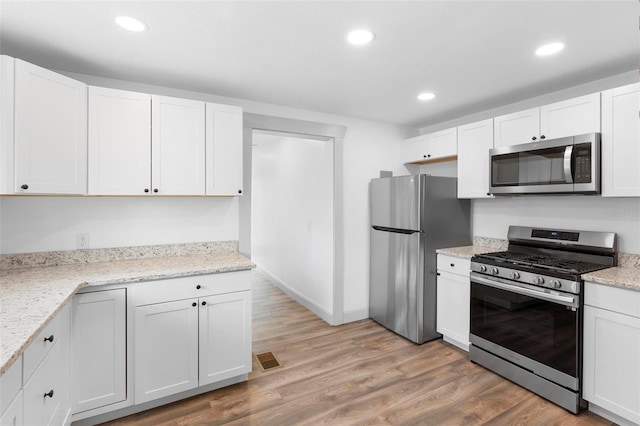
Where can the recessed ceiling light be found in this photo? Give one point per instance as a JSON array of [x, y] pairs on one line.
[[360, 37], [426, 96], [549, 49], [130, 23]]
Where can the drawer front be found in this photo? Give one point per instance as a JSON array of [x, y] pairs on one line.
[[454, 265], [614, 299], [57, 330], [10, 384], [51, 378], [161, 291]]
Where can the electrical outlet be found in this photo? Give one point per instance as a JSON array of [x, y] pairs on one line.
[[82, 241]]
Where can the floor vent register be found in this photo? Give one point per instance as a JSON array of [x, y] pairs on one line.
[[267, 361]]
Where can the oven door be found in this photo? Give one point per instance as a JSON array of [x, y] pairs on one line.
[[537, 329]]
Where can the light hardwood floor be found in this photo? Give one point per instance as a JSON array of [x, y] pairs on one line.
[[358, 373]]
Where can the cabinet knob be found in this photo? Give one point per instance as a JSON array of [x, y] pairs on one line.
[[155, 190], [542, 136], [24, 186], [453, 265], [49, 394], [49, 339], [239, 191], [428, 155], [146, 190], [534, 138], [204, 303], [489, 194], [438, 273], [424, 156], [198, 287], [194, 304]]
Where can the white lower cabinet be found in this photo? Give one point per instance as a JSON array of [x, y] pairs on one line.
[[191, 332], [612, 351], [453, 297], [14, 414], [99, 354]]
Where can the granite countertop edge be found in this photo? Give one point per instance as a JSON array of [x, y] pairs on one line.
[[30, 283]]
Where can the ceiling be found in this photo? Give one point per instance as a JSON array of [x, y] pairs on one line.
[[475, 55]]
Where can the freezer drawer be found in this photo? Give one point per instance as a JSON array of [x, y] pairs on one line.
[[397, 284]]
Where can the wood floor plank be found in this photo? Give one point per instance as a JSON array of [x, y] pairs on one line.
[[356, 374]]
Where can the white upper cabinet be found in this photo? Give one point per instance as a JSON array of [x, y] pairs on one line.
[[566, 118], [571, 117], [50, 132], [119, 142], [6, 124], [474, 142], [178, 146], [224, 151], [621, 141], [516, 128], [433, 146]]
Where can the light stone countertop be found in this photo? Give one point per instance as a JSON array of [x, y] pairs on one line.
[[620, 276], [466, 252], [31, 297]]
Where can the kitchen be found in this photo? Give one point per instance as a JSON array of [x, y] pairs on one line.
[[134, 221]]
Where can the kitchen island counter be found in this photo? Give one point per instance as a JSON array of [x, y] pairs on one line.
[[31, 297]]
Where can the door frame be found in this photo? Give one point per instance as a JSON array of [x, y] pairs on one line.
[[311, 130]]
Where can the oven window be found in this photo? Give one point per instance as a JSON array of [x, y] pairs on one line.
[[543, 331], [539, 167]]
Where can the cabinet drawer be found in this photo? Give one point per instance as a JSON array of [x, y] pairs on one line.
[[614, 299], [51, 378], [56, 330], [14, 413], [454, 265], [10, 384], [151, 292]]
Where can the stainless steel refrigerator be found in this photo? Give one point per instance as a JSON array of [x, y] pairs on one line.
[[411, 217]]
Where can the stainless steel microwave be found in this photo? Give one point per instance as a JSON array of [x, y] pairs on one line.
[[569, 165]]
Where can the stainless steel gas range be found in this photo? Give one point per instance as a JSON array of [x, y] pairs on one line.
[[526, 308]]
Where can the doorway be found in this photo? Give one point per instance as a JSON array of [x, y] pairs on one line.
[[291, 211]]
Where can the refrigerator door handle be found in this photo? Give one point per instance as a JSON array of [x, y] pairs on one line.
[[395, 230]]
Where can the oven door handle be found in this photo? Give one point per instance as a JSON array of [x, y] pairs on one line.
[[555, 298]]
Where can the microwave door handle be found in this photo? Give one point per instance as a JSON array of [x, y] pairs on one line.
[[568, 154]]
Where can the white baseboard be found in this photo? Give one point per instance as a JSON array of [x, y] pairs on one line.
[[356, 315], [321, 312], [603, 412]]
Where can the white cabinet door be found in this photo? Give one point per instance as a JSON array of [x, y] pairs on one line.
[[516, 128], [224, 151], [14, 414], [178, 146], [99, 349], [50, 132], [453, 308], [414, 149], [571, 117], [225, 336], [474, 142], [621, 141], [611, 362], [6, 125], [442, 144], [166, 349], [119, 142]]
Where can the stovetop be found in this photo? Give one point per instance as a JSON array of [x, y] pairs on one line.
[[541, 262]]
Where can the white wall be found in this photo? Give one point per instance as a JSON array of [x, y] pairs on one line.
[[491, 217], [292, 215], [31, 224]]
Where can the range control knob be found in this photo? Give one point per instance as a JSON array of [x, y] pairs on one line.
[[515, 275], [538, 280], [494, 271], [483, 268], [556, 284]]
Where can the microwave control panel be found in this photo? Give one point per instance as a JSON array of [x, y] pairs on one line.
[[582, 164]]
